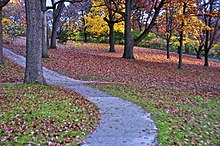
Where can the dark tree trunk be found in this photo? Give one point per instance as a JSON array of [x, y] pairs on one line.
[[34, 72], [180, 50], [128, 46], [206, 49], [53, 43], [199, 51], [85, 35], [181, 39], [111, 22], [168, 47], [44, 32], [48, 39], [84, 29], [208, 42], [111, 37], [56, 19], [1, 39], [206, 58], [44, 38]]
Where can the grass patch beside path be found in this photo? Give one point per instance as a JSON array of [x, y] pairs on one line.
[[10, 72], [44, 115], [182, 118]]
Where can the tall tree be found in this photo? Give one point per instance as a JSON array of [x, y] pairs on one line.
[[84, 10], [58, 7], [44, 31], [101, 21], [112, 18], [152, 10], [2, 4], [33, 72], [180, 48], [166, 25], [211, 17], [56, 17]]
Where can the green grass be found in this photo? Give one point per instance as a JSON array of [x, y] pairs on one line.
[[181, 117], [86, 77], [36, 114]]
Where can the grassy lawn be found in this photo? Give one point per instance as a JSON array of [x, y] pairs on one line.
[[184, 103], [44, 115], [181, 118], [41, 114]]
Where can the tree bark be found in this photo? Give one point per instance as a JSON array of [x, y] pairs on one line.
[[206, 49], [207, 45], [181, 39], [56, 17], [85, 35], [111, 37], [206, 58], [199, 51], [128, 46], [34, 72], [168, 46], [1, 39], [44, 31], [84, 28], [44, 37], [150, 26]]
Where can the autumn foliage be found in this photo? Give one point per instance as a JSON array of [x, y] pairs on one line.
[[150, 67]]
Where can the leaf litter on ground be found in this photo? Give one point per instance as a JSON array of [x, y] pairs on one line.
[[184, 102], [44, 115], [41, 114]]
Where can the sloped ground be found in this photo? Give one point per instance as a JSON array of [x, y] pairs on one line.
[[184, 103], [44, 115], [121, 123], [93, 62], [10, 72]]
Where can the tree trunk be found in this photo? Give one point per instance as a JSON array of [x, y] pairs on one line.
[[34, 72], [1, 39], [198, 55], [128, 46], [48, 39], [44, 37], [199, 51], [84, 29], [168, 47], [85, 35], [56, 18], [181, 39], [111, 37], [53, 43], [180, 48], [206, 49], [206, 58]]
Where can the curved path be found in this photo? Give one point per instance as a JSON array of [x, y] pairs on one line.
[[122, 123]]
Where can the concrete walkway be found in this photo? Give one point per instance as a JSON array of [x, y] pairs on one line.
[[122, 123]]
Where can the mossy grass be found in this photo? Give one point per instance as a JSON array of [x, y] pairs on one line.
[[44, 115], [181, 117]]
